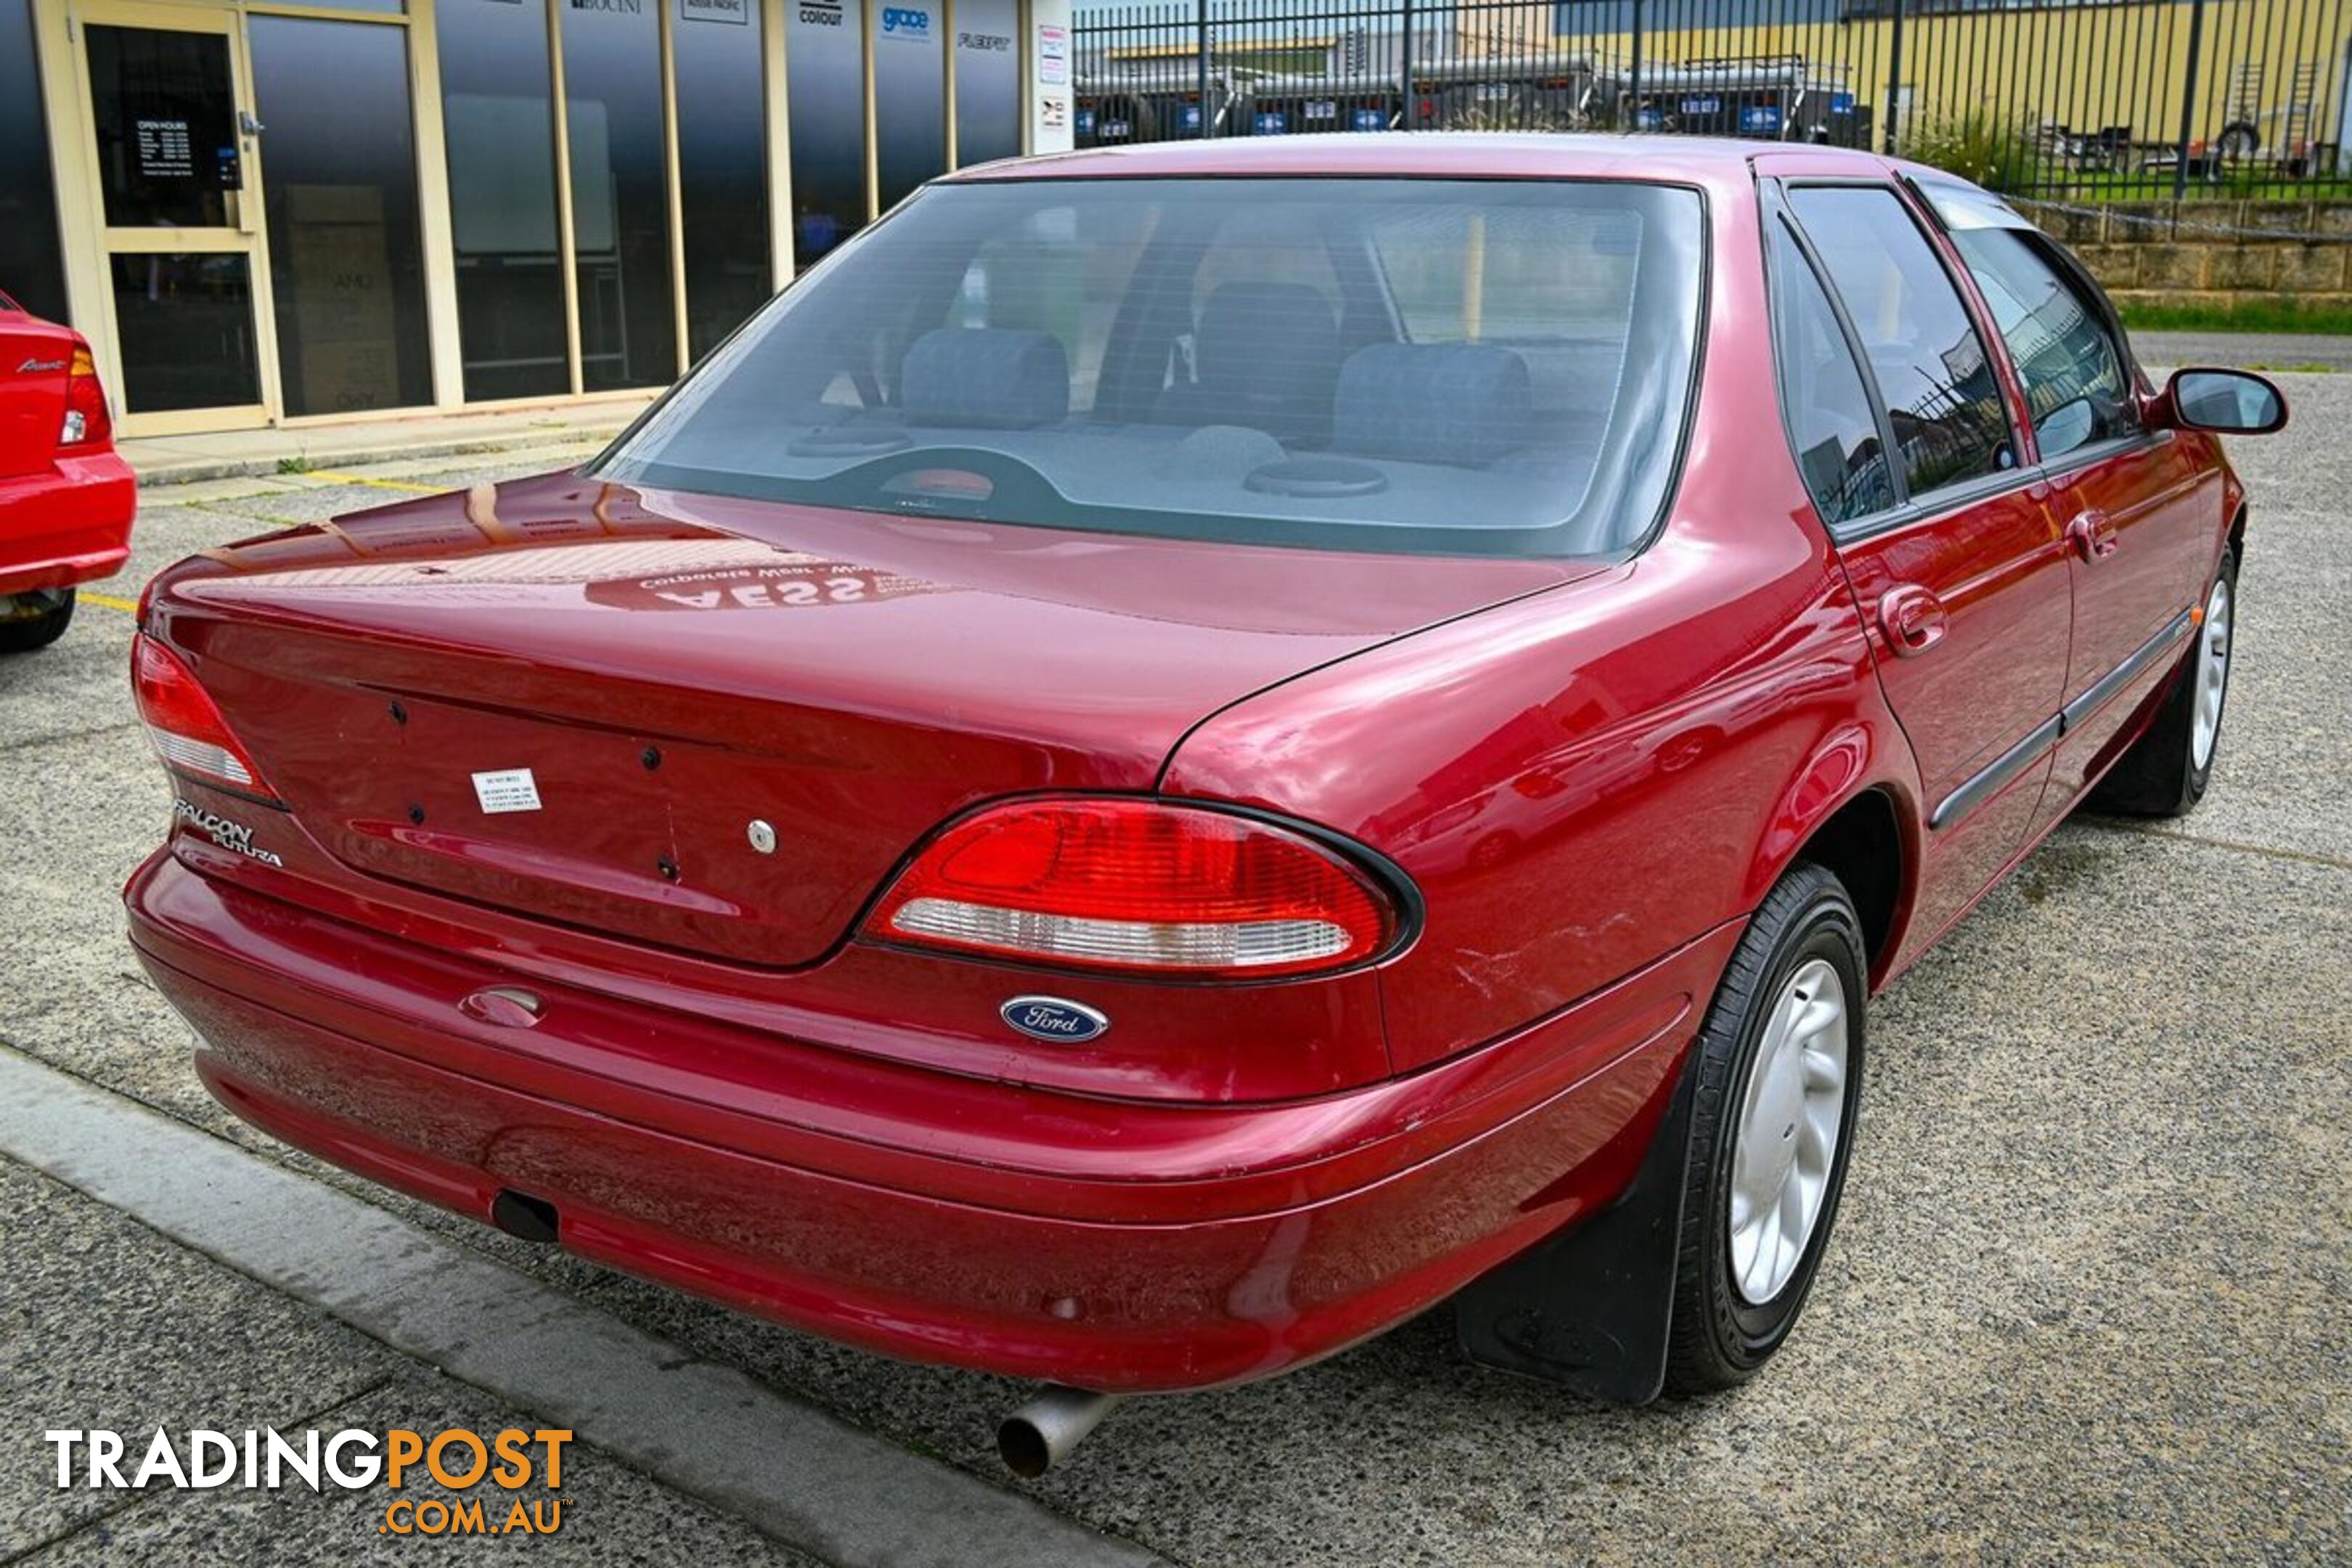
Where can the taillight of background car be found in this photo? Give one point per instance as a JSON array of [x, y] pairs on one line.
[[1140, 887], [88, 422]]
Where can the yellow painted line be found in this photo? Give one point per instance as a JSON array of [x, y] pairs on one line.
[[331, 477], [131, 606]]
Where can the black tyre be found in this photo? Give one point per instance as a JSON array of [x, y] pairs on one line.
[[2238, 140], [28, 621], [1777, 1081], [2167, 770]]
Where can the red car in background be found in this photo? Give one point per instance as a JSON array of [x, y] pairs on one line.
[[1183, 754], [65, 497]]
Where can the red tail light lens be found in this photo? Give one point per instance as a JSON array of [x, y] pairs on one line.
[[88, 422], [185, 725], [1139, 885]]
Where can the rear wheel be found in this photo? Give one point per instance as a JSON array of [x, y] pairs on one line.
[[2167, 770], [1777, 1081], [33, 620]]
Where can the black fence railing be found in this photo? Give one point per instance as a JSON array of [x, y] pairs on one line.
[[2093, 100]]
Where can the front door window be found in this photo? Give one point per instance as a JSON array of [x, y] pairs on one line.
[[2077, 391]]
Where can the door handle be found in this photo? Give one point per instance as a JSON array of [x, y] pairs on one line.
[[2093, 535], [1913, 619]]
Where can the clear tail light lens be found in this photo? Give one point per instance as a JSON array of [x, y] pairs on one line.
[[88, 421], [1139, 886], [185, 725]]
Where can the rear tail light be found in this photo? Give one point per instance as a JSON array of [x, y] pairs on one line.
[[185, 725], [88, 422], [1141, 887]]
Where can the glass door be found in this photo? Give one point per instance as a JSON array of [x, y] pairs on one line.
[[179, 216], [338, 178]]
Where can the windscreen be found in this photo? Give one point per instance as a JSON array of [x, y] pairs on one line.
[[1441, 367]]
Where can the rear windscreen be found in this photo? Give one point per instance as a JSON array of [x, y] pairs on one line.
[[1456, 367]]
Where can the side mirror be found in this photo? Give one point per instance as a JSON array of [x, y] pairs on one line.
[[2234, 402]]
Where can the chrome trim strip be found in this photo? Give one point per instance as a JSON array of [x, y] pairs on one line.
[[2104, 689], [1989, 780]]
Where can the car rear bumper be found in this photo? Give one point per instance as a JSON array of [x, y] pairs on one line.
[[69, 525], [1133, 1247]]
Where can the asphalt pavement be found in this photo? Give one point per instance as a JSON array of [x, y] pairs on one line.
[[2087, 1299]]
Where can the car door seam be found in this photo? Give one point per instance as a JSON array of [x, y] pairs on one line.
[[1987, 780], [2103, 690]]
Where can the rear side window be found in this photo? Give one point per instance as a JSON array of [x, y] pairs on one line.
[[2076, 387], [1403, 366], [1931, 366], [1830, 418]]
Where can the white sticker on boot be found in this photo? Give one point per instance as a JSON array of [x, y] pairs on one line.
[[509, 789]]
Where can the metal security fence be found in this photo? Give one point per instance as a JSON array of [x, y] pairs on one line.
[[2100, 98]]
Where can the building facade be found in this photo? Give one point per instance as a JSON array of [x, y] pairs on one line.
[[265, 213]]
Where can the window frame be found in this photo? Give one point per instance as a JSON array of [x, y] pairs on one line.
[[1777, 297], [1909, 508]]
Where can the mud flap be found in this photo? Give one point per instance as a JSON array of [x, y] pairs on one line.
[[1592, 1306]]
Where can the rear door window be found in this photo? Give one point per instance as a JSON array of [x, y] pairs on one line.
[[1931, 367], [1830, 421]]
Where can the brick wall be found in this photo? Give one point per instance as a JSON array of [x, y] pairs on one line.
[[2211, 252]]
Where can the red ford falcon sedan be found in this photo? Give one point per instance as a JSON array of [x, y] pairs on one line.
[[1183, 754], [65, 497]]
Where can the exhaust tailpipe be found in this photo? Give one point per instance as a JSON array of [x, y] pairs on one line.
[[1041, 1433]]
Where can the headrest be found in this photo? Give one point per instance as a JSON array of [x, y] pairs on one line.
[[1463, 404], [1253, 331], [984, 378]]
